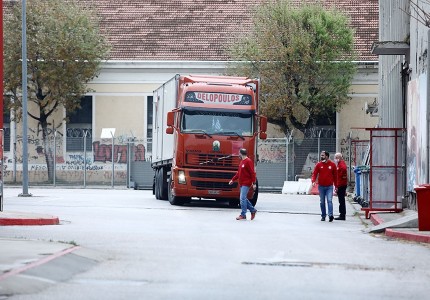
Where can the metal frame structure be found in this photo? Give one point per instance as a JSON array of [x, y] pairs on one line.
[[386, 170]]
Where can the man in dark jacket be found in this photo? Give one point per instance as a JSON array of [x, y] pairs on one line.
[[325, 171], [246, 176], [341, 184]]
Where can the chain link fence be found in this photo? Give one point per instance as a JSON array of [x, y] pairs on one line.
[[81, 160], [288, 159], [76, 159]]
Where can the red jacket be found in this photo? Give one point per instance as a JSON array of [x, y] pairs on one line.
[[342, 174], [245, 173], [326, 173]]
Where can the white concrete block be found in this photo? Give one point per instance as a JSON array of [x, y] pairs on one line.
[[290, 187], [305, 186]]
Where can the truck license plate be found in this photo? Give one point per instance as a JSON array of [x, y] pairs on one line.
[[214, 192]]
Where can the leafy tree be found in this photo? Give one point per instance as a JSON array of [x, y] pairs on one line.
[[303, 56], [64, 52]]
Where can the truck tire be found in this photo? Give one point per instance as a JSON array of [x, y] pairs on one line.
[[163, 184], [157, 184], [174, 200], [234, 203], [255, 197]]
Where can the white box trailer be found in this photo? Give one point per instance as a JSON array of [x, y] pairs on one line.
[[164, 101]]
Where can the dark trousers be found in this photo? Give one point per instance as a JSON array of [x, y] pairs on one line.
[[341, 191]]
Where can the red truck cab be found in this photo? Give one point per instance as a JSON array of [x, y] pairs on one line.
[[212, 118]]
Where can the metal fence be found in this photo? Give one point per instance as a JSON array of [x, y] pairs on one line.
[[76, 159], [126, 161], [287, 159]]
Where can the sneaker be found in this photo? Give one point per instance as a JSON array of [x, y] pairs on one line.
[[240, 217], [323, 219], [253, 215], [340, 218], [330, 218]]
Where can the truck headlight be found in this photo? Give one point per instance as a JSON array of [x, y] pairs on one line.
[[181, 177]]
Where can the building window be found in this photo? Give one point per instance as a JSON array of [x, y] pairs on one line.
[[80, 123]]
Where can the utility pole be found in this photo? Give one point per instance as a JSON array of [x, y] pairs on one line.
[[24, 104]]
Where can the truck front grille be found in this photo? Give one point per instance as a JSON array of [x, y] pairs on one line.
[[208, 174], [209, 185], [211, 160]]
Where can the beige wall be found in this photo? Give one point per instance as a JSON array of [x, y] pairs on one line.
[[124, 88], [353, 118], [127, 114], [121, 106]]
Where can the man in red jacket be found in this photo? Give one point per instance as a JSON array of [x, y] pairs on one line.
[[325, 171], [341, 184], [246, 176]]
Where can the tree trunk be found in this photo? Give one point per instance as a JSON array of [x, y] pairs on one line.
[[49, 157]]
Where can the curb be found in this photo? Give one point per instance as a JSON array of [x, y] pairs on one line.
[[27, 219], [415, 237], [400, 234], [376, 220], [29, 222]]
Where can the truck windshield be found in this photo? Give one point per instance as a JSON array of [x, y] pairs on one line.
[[217, 122]]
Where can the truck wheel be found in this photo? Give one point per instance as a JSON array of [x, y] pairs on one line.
[[153, 185], [157, 193], [254, 198], [163, 184], [234, 203], [174, 200]]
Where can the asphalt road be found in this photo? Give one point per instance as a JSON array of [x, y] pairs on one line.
[[135, 247]]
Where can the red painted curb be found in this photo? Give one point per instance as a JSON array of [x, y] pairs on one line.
[[38, 263], [29, 222], [416, 237], [376, 220]]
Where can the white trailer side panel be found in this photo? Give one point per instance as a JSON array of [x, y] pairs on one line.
[[164, 101]]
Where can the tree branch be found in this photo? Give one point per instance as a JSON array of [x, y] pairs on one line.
[[34, 117], [52, 109]]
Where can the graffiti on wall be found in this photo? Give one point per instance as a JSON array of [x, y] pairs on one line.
[[416, 131], [103, 153], [356, 151], [272, 151], [70, 165]]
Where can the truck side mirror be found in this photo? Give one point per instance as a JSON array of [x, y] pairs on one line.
[[169, 130], [170, 119], [263, 124], [263, 136]]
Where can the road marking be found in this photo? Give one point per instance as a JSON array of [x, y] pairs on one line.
[[37, 263]]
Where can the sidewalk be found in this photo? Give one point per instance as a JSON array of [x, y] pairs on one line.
[[403, 225], [406, 233], [29, 266]]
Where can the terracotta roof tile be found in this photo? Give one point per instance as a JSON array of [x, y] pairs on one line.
[[201, 30]]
